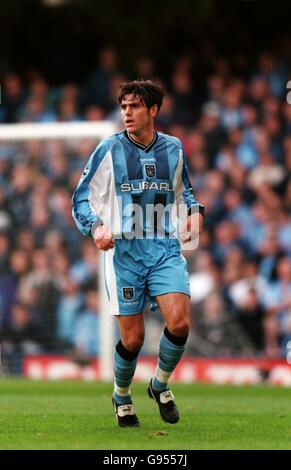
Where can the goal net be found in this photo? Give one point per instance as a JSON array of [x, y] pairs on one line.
[[49, 270]]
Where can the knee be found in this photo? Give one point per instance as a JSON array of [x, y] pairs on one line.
[[133, 341], [179, 324], [180, 329]]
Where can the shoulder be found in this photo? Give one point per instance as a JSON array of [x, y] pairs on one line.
[[109, 142], [171, 139]]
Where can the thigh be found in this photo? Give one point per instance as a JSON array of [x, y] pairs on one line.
[[131, 328], [131, 323], [125, 284], [169, 276], [174, 307]]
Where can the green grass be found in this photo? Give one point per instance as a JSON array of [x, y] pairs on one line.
[[79, 415]]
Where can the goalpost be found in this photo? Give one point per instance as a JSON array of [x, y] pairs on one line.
[[95, 131]]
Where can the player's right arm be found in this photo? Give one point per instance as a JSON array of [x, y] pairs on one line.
[[91, 197]]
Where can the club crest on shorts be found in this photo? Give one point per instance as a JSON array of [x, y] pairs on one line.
[[128, 293], [150, 170]]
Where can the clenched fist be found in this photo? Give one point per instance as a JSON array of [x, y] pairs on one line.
[[103, 238]]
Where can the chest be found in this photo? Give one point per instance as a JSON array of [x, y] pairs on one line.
[[155, 170]]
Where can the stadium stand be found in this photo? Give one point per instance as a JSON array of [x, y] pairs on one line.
[[236, 128]]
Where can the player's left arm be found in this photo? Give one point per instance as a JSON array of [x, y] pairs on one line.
[[194, 226], [195, 218]]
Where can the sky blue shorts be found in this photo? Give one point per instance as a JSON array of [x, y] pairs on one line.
[[138, 270]]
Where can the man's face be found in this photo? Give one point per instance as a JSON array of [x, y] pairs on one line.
[[136, 116]]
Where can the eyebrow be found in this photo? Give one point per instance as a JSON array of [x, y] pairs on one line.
[[130, 103]]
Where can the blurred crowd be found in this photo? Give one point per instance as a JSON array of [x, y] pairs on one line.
[[235, 125]]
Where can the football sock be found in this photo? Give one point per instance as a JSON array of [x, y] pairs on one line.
[[170, 352], [124, 367]]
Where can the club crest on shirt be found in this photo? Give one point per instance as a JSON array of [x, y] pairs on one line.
[[150, 170], [128, 293]]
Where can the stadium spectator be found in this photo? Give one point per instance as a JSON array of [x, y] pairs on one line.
[[215, 333], [22, 337], [277, 301], [12, 98], [87, 327], [96, 89], [250, 315], [70, 305]]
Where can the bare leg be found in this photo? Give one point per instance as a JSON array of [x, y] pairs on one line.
[[175, 308], [131, 329]]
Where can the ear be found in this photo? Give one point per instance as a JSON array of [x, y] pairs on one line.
[[154, 111]]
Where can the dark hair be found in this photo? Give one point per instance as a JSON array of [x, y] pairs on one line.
[[149, 92]]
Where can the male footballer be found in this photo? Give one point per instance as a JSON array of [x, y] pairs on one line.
[[129, 199]]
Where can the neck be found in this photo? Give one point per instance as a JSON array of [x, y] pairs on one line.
[[143, 137]]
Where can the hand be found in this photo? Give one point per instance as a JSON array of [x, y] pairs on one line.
[[193, 227], [103, 238]]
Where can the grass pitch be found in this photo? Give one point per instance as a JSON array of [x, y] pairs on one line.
[[79, 415]]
